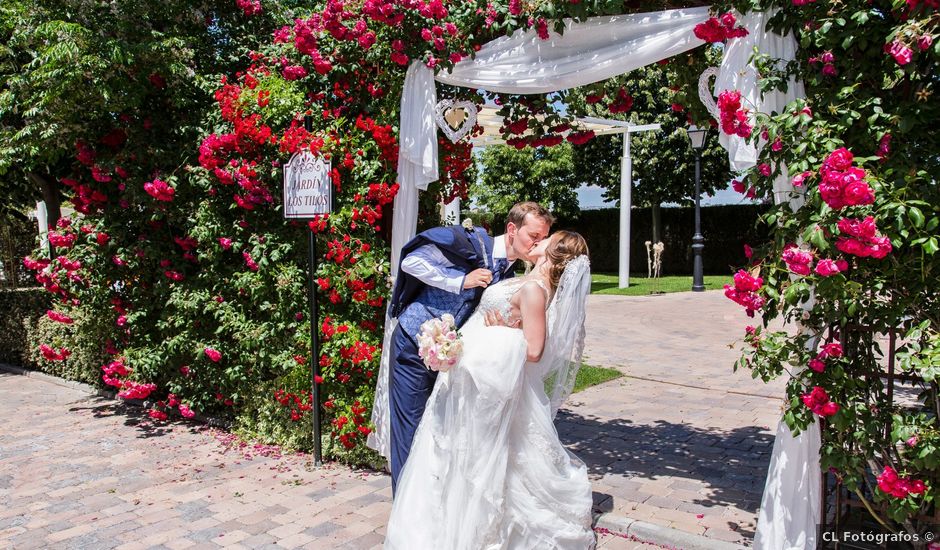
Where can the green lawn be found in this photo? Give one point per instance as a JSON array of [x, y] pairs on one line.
[[606, 283], [591, 376]]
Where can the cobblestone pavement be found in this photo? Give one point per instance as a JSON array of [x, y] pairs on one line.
[[680, 442]]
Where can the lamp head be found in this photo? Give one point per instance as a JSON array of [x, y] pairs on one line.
[[697, 137]]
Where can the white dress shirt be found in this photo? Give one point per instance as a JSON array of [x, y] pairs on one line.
[[429, 265]]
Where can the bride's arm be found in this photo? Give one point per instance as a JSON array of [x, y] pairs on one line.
[[532, 308]]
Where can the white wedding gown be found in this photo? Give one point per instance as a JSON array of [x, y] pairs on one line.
[[487, 470]]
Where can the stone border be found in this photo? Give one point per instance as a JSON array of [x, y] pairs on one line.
[[80, 386], [659, 535]]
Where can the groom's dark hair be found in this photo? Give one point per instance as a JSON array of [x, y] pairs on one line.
[[520, 210]]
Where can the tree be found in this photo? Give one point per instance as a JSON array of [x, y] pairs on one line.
[[128, 81], [545, 175], [663, 161]]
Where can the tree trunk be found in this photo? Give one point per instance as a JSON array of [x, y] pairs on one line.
[[657, 221], [50, 195]]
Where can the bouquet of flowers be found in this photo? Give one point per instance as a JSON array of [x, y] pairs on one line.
[[439, 344]]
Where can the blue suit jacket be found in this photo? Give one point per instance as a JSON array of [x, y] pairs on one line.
[[463, 249]]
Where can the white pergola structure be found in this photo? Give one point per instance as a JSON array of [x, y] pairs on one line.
[[591, 51], [491, 122]]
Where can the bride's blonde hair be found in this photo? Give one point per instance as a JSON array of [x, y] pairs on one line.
[[565, 246]]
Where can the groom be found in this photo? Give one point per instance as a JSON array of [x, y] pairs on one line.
[[445, 270]]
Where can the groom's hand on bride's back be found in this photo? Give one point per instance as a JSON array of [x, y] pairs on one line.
[[478, 277], [495, 319]]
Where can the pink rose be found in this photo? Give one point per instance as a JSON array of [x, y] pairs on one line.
[[858, 193], [59, 317], [817, 365], [865, 228], [249, 261], [924, 42], [745, 282], [832, 349], [186, 411], [799, 179], [159, 190], [294, 72], [841, 159], [798, 261], [214, 355], [827, 268], [901, 53], [879, 247], [764, 169], [884, 146]]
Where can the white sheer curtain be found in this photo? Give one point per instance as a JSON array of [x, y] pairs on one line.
[[417, 153], [595, 50], [790, 506]]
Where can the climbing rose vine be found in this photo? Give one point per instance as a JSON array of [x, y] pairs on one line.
[[852, 258]]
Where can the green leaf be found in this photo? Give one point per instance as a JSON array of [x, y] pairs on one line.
[[931, 246], [916, 216]]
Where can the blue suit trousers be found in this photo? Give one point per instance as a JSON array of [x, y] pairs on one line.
[[410, 388]]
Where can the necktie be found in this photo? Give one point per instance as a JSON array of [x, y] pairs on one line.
[[499, 267]]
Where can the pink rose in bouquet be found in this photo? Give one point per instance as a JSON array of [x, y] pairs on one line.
[[439, 343]]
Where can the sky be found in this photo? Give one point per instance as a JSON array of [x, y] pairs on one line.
[[591, 197]]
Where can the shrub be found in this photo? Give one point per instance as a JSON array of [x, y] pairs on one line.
[[22, 309]]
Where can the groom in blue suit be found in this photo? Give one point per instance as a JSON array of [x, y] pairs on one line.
[[445, 270]]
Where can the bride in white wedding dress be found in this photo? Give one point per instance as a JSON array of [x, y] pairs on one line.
[[487, 470]]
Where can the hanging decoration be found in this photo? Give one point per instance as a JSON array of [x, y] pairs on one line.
[[705, 91], [455, 118]]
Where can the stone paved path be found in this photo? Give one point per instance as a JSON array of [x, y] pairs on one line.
[[680, 442]]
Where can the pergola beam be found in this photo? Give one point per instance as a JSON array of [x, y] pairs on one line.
[[492, 123]]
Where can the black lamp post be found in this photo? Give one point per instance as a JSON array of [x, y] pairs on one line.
[[697, 139]]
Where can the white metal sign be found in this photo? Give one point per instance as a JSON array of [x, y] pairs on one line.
[[308, 190]]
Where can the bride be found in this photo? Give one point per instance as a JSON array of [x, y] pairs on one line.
[[486, 469]]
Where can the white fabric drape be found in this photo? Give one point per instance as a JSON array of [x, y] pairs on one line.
[[790, 506], [417, 153], [736, 73], [595, 50]]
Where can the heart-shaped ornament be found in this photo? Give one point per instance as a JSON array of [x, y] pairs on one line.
[[705, 92], [455, 118]]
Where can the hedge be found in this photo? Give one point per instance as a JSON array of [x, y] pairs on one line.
[[726, 229], [22, 310]]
